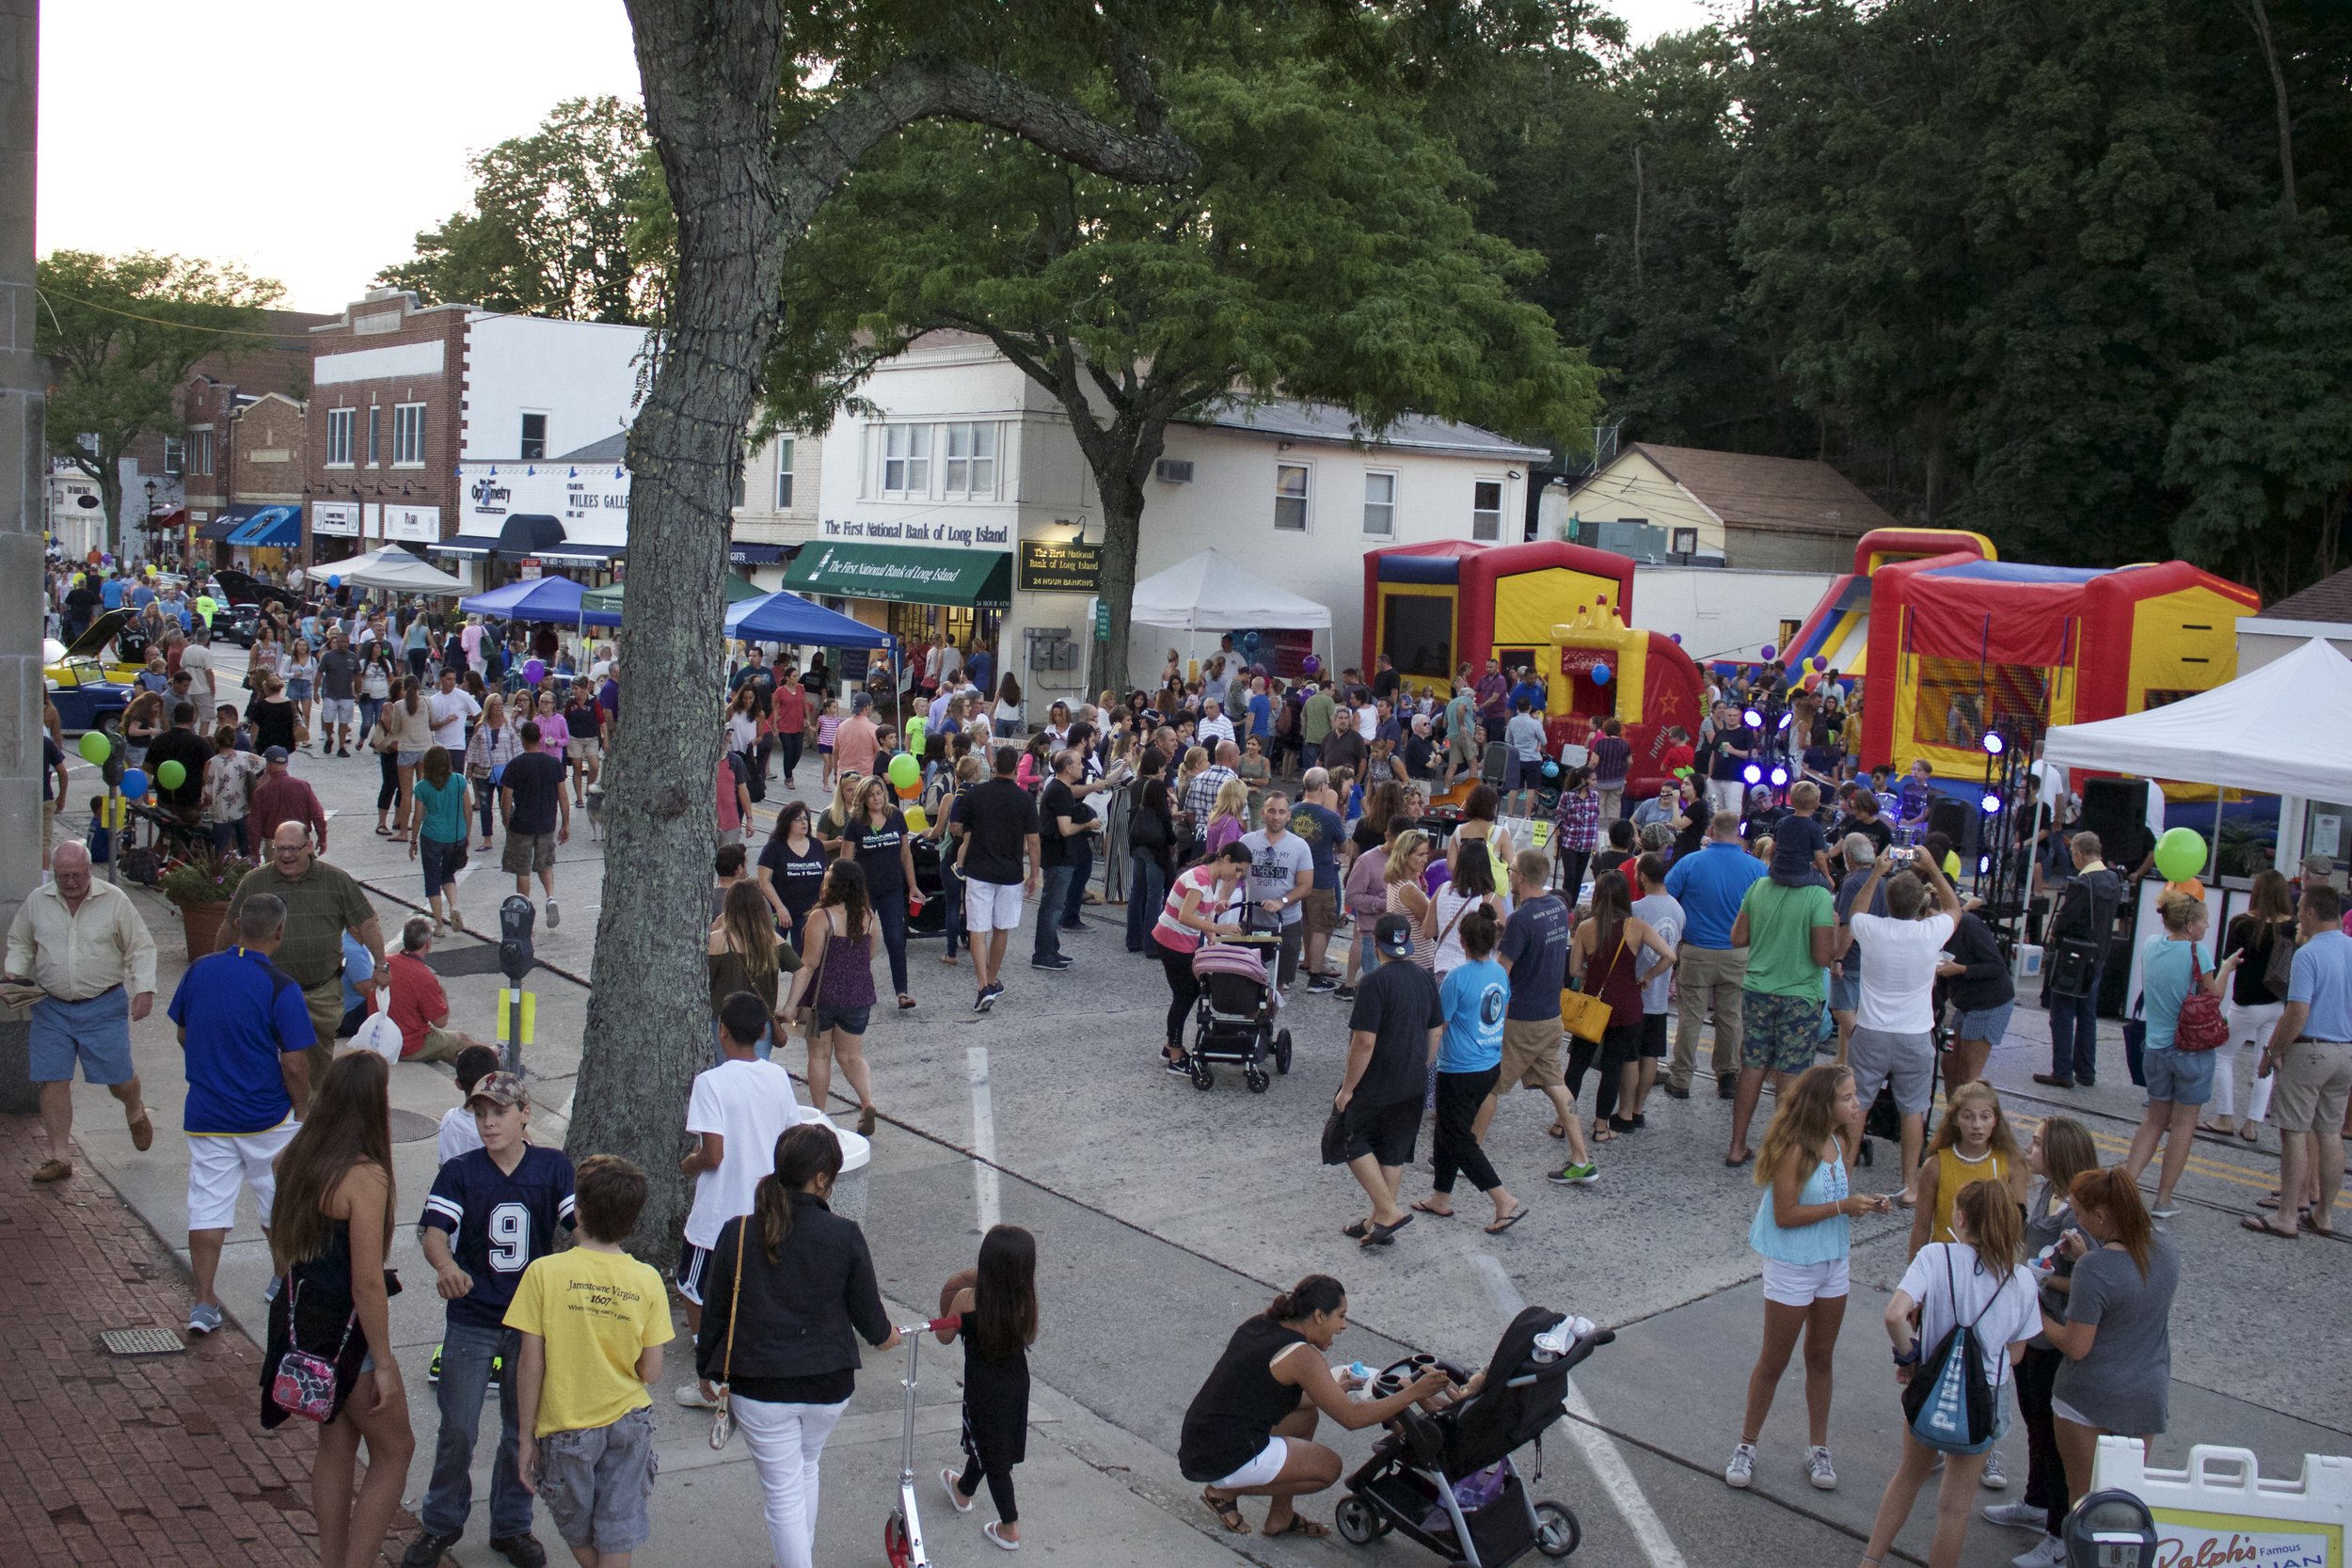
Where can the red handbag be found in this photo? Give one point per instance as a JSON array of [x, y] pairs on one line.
[[2201, 1025]]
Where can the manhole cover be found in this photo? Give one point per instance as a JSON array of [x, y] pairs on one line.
[[141, 1341], [408, 1126]]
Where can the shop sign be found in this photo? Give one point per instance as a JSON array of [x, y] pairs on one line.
[[1048, 567]]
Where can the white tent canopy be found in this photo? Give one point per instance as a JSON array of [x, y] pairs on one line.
[[2279, 731], [394, 568], [1208, 592]]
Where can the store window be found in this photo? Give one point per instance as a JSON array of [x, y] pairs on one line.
[[1380, 504], [339, 423], [1290, 497], [1486, 509], [906, 459], [971, 461], [408, 435], [783, 474]]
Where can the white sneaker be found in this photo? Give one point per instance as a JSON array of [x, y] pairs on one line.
[[555, 915], [1740, 1472], [1995, 1479], [1819, 1471], [2050, 1552], [2020, 1515], [205, 1317], [690, 1396]]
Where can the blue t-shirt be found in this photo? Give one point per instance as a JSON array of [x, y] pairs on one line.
[[241, 1013], [1710, 886], [2323, 982], [1474, 996], [2165, 980], [359, 965], [1535, 945], [110, 594], [1322, 830], [1260, 714], [499, 1224]]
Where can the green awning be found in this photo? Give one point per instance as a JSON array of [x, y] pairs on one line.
[[609, 599], [904, 575]]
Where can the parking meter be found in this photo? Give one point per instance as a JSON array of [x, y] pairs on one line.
[[2111, 1529], [515, 957], [117, 760]]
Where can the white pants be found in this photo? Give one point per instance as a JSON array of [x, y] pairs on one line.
[[1726, 794], [2247, 1025], [786, 1441]]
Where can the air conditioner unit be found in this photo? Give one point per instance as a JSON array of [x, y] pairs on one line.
[[1175, 470]]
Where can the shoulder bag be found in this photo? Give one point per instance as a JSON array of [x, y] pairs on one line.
[[723, 1417], [305, 1383], [1948, 1403], [1584, 1014], [2201, 1025]]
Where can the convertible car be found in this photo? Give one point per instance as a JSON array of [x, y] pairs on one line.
[[85, 691]]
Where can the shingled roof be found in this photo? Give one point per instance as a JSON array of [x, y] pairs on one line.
[[2328, 600], [1797, 494]]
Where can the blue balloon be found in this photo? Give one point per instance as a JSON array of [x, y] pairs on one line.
[[1600, 674], [1551, 769], [334, 580], [133, 785]]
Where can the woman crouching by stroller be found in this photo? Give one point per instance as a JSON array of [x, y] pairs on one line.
[[1249, 1430]]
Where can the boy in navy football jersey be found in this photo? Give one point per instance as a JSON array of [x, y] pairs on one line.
[[493, 1210]]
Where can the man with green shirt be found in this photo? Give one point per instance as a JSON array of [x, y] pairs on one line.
[[1315, 727], [1789, 933], [1464, 741]]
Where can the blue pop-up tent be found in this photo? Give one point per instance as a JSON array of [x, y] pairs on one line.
[[552, 599], [785, 617]]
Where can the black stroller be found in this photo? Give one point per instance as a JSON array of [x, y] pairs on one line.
[[1449, 1480]]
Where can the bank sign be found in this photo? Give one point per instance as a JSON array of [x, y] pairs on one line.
[[993, 536], [1047, 567]]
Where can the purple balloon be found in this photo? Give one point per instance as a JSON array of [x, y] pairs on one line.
[[1311, 665], [1677, 637], [534, 671], [1768, 650]]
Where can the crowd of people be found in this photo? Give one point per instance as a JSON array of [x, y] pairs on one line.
[[1225, 809]]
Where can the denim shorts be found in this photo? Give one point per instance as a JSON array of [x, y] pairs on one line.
[[1988, 1025], [596, 1481], [850, 1021], [96, 1033], [1845, 992], [2183, 1077]]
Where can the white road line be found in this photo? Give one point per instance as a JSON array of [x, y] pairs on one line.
[[983, 1138], [1599, 1450]]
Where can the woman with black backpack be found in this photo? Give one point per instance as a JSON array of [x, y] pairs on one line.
[[1975, 1306]]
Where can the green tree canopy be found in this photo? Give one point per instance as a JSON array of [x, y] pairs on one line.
[[548, 233], [120, 334]]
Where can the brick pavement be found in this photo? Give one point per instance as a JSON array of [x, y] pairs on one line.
[[158, 1460]]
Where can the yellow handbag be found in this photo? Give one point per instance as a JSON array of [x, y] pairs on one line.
[[1584, 1014]]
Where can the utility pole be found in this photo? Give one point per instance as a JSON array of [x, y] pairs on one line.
[[23, 447]]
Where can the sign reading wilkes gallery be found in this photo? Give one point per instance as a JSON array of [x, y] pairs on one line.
[[1047, 567]]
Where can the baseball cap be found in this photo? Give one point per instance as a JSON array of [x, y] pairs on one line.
[[276, 754], [498, 1088], [1394, 935]]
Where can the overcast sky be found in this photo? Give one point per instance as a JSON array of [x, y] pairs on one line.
[[311, 141]]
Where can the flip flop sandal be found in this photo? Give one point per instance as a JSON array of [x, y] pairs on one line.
[[2252, 1134], [1010, 1545], [1433, 1214], [1384, 1235], [1227, 1513], [956, 1500], [1301, 1525], [1743, 1158], [1507, 1220], [865, 1122], [1606, 1134], [1358, 1231], [2304, 1220], [2264, 1228], [1556, 1131]]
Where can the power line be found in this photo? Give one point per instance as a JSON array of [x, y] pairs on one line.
[[156, 321]]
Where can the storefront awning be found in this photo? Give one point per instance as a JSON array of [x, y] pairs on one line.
[[530, 533], [218, 529], [272, 528], [570, 554], [472, 546], [755, 555], [909, 575]]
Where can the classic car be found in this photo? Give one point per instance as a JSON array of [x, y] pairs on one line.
[[84, 689]]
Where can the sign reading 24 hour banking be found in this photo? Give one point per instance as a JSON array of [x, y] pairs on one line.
[[1048, 567]]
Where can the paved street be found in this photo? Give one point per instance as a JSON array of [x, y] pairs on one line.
[[1165, 1215]]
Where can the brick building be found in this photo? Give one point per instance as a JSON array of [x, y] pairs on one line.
[[205, 458]]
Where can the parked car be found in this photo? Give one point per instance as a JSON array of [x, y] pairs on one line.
[[85, 692]]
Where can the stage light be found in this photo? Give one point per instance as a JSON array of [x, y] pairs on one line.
[[1984, 864], [1992, 803], [1755, 720], [1780, 778], [1754, 774], [1994, 744], [1787, 719]]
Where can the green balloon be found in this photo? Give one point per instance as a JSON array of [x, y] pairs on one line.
[[94, 748], [171, 775], [905, 771], [2181, 854]]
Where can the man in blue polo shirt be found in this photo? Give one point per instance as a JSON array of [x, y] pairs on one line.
[[244, 1026], [2310, 1053], [1710, 885]]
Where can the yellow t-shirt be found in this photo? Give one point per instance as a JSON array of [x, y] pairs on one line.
[[597, 1310]]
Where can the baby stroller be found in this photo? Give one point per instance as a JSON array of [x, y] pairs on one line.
[[1449, 1480], [1234, 1020]]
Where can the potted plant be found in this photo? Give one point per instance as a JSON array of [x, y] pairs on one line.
[[200, 889]]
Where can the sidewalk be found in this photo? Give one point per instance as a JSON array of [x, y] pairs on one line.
[[155, 1459]]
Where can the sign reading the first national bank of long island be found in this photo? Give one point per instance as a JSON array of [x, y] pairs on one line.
[[1047, 567]]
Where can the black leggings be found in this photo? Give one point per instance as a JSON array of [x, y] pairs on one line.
[[1184, 991], [2046, 1472], [1619, 1044], [1571, 872], [388, 791], [890, 914], [1459, 1097], [999, 1487]]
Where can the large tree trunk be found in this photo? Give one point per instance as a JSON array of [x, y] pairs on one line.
[[1122, 490], [711, 71]]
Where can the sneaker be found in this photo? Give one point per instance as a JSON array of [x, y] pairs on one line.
[[2049, 1552], [985, 999], [2017, 1515], [1820, 1471], [205, 1317], [690, 1396], [2165, 1211], [342, 750], [1740, 1472], [1574, 1175], [433, 1368], [523, 1551], [1673, 1093], [426, 1549], [1346, 993], [555, 918], [1177, 1067], [1995, 1479], [1059, 960], [1322, 985]]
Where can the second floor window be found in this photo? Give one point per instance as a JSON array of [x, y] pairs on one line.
[[783, 474], [1486, 509], [175, 456], [972, 460], [338, 421], [1380, 504], [906, 459], [534, 437], [199, 451], [1290, 497], [408, 435], [375, 425]]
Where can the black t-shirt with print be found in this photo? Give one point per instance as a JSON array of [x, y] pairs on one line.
[[877, 855]]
